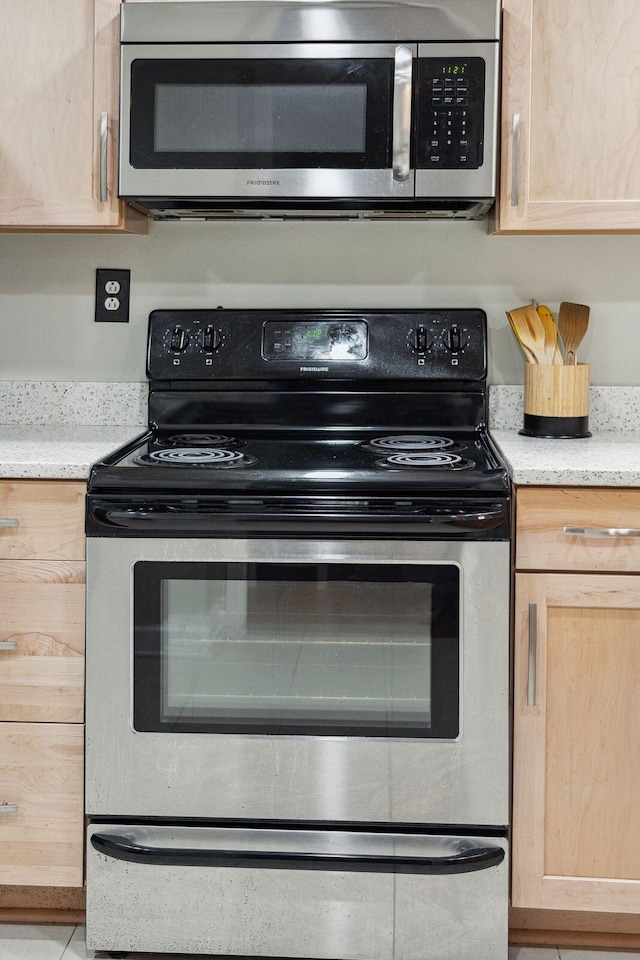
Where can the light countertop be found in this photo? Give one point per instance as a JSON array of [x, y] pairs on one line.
[[608, 458], [62, 452]]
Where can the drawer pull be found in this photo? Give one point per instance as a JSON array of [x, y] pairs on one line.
[[515, 161], [600, 532], [7, 522], [533, 643], [8, 807], [8, 645]]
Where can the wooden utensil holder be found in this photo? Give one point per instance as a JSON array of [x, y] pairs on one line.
[[556, 400]]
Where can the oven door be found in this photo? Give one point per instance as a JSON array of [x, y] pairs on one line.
[[337, 681], [266, 120]]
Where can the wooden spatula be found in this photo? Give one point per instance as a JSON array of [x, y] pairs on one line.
[[529, 330], [573, 320]]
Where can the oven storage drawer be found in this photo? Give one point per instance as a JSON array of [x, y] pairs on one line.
[[296, 893]]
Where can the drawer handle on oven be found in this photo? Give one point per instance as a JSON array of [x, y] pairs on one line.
[[121, 848], [600, 532], [7, 522], [8, 807], [533, 643], [8, 645], [402, 113]]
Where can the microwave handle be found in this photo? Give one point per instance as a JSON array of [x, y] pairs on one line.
[[402, 112]]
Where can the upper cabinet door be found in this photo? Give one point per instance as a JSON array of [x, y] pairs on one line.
[[59, 79], [570, 117]]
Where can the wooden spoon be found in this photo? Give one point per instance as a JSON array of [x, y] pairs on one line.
[[573, 319], [529, 330], [529, 357]]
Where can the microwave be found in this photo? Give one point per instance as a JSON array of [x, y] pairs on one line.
[[302, 108]]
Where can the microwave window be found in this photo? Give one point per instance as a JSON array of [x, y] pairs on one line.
[[273, 118], [260, 114]]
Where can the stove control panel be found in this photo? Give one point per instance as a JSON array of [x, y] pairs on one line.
[[320, 345]]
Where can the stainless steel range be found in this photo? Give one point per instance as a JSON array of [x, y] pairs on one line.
[[297, 650]]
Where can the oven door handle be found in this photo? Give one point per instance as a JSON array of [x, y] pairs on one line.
[[121, 848], [141, 519]]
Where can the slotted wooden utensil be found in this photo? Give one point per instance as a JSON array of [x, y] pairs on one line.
[[552, 350], [573, 320], [530, 332]]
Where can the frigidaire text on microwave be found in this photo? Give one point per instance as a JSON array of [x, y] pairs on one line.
[[280, 108]]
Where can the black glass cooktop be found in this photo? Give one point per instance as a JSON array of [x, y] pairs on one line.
[[286, 461]]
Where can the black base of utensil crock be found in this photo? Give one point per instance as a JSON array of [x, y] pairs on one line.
[[555, 428]]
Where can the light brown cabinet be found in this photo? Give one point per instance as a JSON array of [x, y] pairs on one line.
[[576, 830], [570, 94], [42, 576], [59, 79]]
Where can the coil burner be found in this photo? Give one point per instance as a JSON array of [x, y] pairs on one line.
[[411, 443], [422, 461], [198, 457]]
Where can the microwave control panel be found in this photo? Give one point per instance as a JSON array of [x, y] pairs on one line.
[[450, 113]]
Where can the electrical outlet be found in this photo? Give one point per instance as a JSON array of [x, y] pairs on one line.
[[112, 296]]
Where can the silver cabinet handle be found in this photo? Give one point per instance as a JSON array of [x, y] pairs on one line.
[[600, 532], [104, 117], [7, 522], [533, 643], [402, 112], [8, 807], [8, 645], [515, 161]]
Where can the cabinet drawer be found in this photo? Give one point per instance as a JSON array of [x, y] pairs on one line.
[[42, 640], [41, 520], [571, 528], [41, 820]]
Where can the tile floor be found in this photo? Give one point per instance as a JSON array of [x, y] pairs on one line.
[[19, 942]]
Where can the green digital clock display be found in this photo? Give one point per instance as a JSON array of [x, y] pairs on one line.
[[454, 69]]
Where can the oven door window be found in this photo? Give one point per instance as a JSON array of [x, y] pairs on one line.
[[366, 650], [261, 114]]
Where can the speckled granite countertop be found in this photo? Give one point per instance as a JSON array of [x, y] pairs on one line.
[[55, 430], [607, 459], [611, 457], [58, 452]]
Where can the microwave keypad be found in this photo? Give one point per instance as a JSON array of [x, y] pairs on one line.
[[450, 113]]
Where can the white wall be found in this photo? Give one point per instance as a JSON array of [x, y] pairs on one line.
[[47, 286]]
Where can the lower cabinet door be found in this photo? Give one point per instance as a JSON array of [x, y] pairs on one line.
[[576, 829], [41, 804]]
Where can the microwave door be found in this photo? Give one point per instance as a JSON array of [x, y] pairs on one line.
[[309, 121]]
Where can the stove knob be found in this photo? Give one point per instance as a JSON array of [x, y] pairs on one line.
[[453, 339], [179, 340], [419, 339], [211, 339]]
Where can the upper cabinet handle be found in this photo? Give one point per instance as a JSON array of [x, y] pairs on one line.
[[104, 117], [8, 644], [402, 113], [600, 532], [515, 161], [7, 522]]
